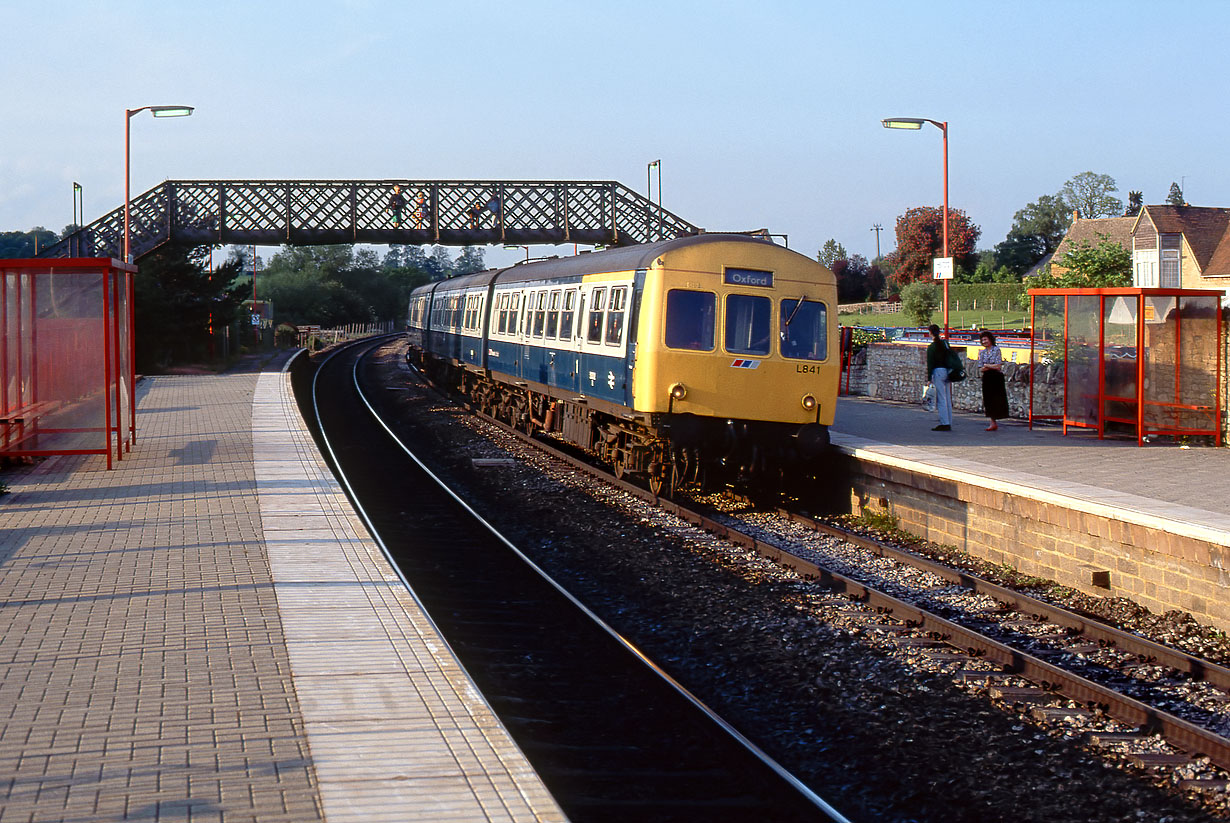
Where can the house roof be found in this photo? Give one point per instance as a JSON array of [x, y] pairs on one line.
[[1203, 228], [1094, 230]]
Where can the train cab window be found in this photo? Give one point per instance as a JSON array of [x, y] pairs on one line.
[[615, 316], [553, 315], [690, 319], [748, 320], [597, 308], [804, 330], [567, 315], [540, 313]]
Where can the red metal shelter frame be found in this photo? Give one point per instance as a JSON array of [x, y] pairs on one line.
[[1129, 389], [67, 382]]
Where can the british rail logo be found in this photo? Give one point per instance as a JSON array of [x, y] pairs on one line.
[[744, 364]]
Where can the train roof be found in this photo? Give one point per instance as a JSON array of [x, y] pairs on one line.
[[625, 258]]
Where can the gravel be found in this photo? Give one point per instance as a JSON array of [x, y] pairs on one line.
[[882, 729]]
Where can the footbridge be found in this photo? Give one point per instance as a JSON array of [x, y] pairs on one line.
[[411, 212]]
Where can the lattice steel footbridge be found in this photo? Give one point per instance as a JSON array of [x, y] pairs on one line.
[[411, 212]]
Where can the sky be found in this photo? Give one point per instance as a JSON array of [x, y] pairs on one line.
[[764, 114]]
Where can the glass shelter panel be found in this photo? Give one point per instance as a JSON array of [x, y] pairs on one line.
[[1196, 378], [1082, 358], [1119, 359]]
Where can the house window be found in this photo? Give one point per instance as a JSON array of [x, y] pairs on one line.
[[1170, 269]]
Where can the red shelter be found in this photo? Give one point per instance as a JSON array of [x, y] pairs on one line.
[[66, 357], [1133, 360]]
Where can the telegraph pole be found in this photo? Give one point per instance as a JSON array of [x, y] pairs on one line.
[[877, 228]]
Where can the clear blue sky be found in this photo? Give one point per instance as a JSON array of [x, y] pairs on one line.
[[764, 114]]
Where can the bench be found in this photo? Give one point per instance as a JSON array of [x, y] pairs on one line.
[[19, 424]]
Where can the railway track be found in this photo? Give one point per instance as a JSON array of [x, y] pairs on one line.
[[613, 737], [1047, 661]]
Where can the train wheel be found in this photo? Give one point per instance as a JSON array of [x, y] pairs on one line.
[[620, 465], [662, 477]]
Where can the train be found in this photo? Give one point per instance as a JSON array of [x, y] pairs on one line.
[[703, 360]]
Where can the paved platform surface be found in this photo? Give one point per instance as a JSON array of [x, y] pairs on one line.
[[207, 633], [1187, 488]]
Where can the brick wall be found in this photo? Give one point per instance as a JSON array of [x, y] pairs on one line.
[[1162, 565]]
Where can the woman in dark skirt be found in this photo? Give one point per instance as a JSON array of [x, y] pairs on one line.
[[994, 394]]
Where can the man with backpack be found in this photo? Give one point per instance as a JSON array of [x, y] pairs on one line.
[[938, 359]]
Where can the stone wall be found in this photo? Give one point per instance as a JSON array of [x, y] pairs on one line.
[[897, 371]]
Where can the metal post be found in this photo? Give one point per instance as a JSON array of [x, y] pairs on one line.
[[106, 368], [944, 129], [128, 113], [130, 279], [1140, 367]]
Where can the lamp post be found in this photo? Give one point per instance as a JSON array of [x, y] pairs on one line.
[[656, 164], [157, 111], [77, 190], [917, 123]]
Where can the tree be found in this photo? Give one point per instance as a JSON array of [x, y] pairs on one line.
[[1136, 202], [176, 301], [831, 252], [1105, 265], [14, 244], [920, 238], [854, 279], [1175, 198], [919, 300], [469, 260], [1091, 194], [1036, 231]]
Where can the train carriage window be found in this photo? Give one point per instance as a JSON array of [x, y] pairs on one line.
[[502, 313], [690, 319], [540, 313], [566, 316], [748, 321], [553, 315], [514, 312], [597, 308], [804, 330], [615, 316]]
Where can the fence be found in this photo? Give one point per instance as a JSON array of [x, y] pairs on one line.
[[878, 307], [351, 331]]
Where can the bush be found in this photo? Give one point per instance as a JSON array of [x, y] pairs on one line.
[[285, 335], [919, 300]]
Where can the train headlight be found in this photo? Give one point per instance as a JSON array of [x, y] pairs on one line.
[[809, 402], [679, 391]]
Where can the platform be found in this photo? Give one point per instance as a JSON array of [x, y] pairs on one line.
[[207, 632], [1061, 506]]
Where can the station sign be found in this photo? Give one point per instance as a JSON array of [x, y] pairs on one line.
[[941, 268], [748, 277]]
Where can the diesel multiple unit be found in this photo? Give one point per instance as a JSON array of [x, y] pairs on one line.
[[702, 359]]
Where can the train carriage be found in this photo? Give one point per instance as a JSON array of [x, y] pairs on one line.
[[709, 354]]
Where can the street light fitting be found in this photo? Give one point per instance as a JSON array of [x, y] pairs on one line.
[[163, 111], [902, 123]]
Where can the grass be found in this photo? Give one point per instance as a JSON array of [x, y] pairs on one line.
[[956, 319]]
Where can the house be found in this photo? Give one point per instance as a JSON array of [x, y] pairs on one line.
[[1181, 247], [1093, 231]]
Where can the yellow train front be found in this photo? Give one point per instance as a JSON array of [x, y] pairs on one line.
[[736, 360], [709, 359]]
